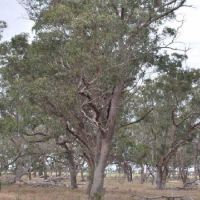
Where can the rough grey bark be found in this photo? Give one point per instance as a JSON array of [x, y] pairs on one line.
[[73, 174], [161, 176], [72, 167]]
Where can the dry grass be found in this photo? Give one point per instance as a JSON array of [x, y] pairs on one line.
[[116, 189]]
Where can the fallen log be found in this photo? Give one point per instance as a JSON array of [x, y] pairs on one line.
[[164, 197], [169, 198], [44, 184], [57, 179], [50, 182], [192, 184]]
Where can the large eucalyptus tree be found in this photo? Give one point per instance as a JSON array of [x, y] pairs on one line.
[[84, 59]]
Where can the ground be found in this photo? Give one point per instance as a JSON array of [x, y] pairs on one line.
[[116, 189]]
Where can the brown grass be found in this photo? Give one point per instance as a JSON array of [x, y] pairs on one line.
[[116, 189]]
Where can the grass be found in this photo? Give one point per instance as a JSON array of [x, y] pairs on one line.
[[116, 189]]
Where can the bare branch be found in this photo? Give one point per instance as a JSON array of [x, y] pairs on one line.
[[138, 120]]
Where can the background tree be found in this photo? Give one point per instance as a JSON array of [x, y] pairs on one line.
[[174, 120]]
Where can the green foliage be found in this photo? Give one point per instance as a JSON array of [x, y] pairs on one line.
[[81, 52], [3, 25], [127, 147]]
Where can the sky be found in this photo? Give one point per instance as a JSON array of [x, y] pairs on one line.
[[16, 17]]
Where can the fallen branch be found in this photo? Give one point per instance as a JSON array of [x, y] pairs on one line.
[[160, 197], [45, 184], [192, 184], [50, 182]]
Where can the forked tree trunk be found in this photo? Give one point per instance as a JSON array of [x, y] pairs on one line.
[[104, 144], [161, 177]]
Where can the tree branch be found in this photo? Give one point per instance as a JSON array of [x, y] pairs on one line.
[[138, 120]]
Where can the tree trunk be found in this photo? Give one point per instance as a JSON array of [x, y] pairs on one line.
[[45, 173], [183, 171], [199, 173], [72, 169], [40, 170], [19, 171], [0, 181], [104, 141], [96, 192], [34, 173], [130, 177], [196, 162], [29, 175], [128, 171], [195, 168], [82, 175], [142, 179], [90, 176], [73, 180], [151, 174], [161, 177]]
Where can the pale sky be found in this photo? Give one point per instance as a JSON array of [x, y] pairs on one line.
[[16, 17], [17, 20]]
